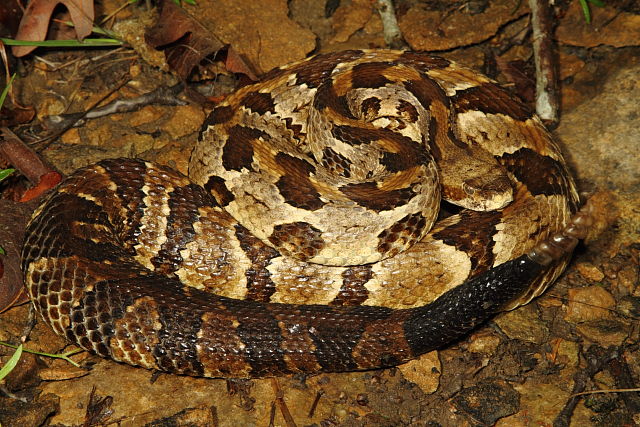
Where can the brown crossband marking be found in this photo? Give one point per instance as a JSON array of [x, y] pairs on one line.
[[408, 111], [260, 332], [408, 230], [336, 162], [541, 174], [314, 76], [388, 348], [295, 186], [356, 136], [295, 129], [217, 188], [129, 194], [327, 98], [490, 99], [260, 287], [219, 343], [297, 239], [353, 291], [370, 108], [426, 91], [184, 203], [473, 235], [134, 334], [368, 195], [218, 115], [258, 102], [407, 155], [237, 153], [422, 61], [370, 75]]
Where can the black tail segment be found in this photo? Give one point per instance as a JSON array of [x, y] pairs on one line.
[[463, 308]]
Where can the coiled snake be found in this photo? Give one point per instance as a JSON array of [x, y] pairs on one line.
[[303, 240]]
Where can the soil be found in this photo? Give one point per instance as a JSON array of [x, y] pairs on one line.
[[520, 369]]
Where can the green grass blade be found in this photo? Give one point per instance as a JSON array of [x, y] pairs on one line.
[[11, 363], [5, 91], [5, 173], [585, 11], [63, 43], [63, 356]]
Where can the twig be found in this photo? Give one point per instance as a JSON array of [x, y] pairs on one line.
[[22, 157], [621, 373], [314, 405], [279, 401], [42, 143], [160, 96], [547, 99], [596, 358], [391, 30]]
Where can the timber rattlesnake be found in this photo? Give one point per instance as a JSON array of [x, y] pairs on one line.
[[135, 262]]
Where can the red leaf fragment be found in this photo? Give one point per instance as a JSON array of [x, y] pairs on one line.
[[236, 64], [47, 182]]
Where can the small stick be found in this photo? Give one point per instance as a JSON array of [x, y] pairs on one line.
[[160, 96], [314, 405], [391, 30], [22, 157], [597, 358], [547, 97], [43, 143], [279, 400]]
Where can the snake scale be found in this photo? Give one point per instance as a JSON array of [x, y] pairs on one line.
[[307, 238]]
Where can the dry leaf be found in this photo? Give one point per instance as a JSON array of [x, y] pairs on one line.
[[520, 73], [350, 18], [426, 29], [35, 22], [186, 41]]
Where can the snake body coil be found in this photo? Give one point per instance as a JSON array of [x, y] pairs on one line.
[[304, 239]]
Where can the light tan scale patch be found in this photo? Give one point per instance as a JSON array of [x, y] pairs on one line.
[[499, 134], [527, 223], [455, 78], [214, 260], [303, 283], [153, 224], [418, 276], [136, 334]]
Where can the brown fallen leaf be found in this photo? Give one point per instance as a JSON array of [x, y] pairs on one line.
[[14, 216], [236, 64], [10, 14], [185, 41], [16, 116], [261, 33], [35, 21], [12, 223], [521, 74], [350, 18]]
